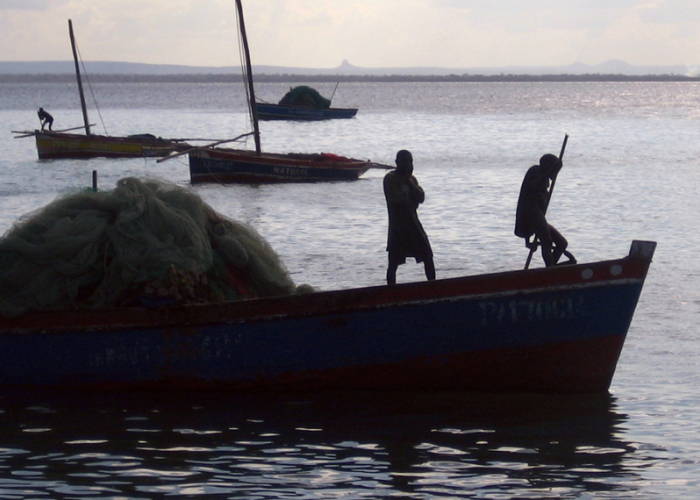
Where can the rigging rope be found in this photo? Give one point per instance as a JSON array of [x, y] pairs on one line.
[[87, 79]]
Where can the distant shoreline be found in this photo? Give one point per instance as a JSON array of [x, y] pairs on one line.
[[296, 78]]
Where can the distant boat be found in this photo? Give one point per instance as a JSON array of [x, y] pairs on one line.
[[58, 145], [212, 164], [62, 144], [237, 166], [303, 103], [558, 329]]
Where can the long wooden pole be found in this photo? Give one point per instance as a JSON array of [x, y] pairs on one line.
[[80, 82], [533, 247], [31, 134], [249, 71], [187, 151], [333, 94], [561, 157]]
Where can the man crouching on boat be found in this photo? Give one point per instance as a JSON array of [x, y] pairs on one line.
[[532, 206], [45, 118], [406, 238]]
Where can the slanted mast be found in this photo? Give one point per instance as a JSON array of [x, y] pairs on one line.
[[249, 74], [80, 81]]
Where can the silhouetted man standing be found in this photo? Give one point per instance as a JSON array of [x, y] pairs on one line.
[[406, 237]]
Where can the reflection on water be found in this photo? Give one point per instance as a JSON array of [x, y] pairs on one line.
[[313, 446]]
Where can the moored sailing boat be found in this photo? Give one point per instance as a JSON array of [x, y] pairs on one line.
[[64, 144], [303, 103], [210, 164]]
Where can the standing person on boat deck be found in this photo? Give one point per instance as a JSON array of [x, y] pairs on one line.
[[45, 118], [532, 206], [406, 237]]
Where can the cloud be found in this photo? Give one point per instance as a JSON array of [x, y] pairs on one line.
[[372, 33], [25, 4]]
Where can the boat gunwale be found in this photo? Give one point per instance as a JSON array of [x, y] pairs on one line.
[[309, 160], [333, 302]]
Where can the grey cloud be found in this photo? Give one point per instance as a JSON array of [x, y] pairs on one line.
[[24, 4]]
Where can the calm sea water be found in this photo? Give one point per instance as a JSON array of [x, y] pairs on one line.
[[631, 171]]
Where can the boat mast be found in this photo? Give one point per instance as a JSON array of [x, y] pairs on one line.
[[80, 82], [249, 72]]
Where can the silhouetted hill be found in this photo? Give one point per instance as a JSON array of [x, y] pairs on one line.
[[613, 67]]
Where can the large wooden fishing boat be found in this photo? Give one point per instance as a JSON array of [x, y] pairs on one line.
[[552, 330]]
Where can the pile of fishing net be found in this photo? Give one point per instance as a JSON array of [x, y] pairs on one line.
[[143, 243], [305, 97]]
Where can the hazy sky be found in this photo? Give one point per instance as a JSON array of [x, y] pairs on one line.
[[368, 33]]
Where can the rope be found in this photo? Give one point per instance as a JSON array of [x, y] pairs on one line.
[[87, 79]]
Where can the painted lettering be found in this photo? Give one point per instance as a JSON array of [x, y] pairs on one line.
[[531, 310], [301, 172]]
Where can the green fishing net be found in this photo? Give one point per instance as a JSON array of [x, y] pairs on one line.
[[145, 243], [305, 97]]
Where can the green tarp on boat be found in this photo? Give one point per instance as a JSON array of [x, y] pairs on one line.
[[305, 97]]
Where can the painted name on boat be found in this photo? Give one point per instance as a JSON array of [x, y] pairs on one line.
[[531, 310], [301, 172]]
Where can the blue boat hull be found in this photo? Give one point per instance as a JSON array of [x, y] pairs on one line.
[[233, 166], [278, 112], [558, 330]]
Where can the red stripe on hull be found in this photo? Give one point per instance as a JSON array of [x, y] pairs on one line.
[[567, 367]]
